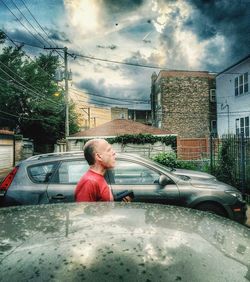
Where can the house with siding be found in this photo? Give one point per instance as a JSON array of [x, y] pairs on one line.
[[184, 102], [233, 98]]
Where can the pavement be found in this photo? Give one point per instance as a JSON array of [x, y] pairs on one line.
[[5, 172]]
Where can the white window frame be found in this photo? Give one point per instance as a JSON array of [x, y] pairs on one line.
[[242, 125], [241, 84], [212, 95]]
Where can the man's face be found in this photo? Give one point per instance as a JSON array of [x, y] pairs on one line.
[[106, 154]]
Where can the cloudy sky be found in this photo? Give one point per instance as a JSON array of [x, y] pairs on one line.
[[116, 45]]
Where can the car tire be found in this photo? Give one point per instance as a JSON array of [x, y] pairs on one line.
[[212, 208]]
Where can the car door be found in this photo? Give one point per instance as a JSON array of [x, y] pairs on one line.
[[62, 186], [143, 181]]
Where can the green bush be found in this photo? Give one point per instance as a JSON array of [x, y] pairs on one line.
[[170, 160], [142, 139], [226, 166]]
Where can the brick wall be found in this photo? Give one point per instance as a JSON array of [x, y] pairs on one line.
[[185, 103], [193, 148]]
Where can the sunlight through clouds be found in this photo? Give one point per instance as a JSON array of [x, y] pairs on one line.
[[84, 15]]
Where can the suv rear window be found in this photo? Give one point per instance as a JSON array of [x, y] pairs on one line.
[[41, 173]]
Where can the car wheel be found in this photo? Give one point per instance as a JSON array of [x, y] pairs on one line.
[[212, 208]]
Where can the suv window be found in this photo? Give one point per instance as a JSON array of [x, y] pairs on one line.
[[70, 171], [127, 173], [41, 173]]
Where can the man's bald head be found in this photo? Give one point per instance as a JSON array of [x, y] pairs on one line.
[[92, 147]]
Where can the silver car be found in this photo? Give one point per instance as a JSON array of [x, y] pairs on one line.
[[120, 242], [52, 178]]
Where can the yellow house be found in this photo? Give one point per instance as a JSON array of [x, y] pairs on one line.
[[89, 115]]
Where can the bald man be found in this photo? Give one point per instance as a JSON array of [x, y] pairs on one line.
[[92, 186]]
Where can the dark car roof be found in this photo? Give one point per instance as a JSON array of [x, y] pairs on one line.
[[120, 242]]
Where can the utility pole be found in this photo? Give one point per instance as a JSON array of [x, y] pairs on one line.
[[88, 113], [66, 97], [66, 92]]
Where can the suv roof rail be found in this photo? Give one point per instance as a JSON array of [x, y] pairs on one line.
[[71, 153]]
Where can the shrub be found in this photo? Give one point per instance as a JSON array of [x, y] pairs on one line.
[[170, 160]]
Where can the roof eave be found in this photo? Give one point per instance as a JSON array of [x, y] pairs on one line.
[[112, 136]]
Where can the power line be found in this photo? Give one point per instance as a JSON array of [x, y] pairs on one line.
[[108, 104], [28, 21], [121, 63], [21, 23], [33, 26], [99, 96], [22, 43], [36, 21], [18, 76], [12, 115], [193, 113], [104, 104], [117, 62], [26, 88]]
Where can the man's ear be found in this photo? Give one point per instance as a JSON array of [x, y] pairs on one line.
[[98, 156]]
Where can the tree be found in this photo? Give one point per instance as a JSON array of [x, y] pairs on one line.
[[28, 104]]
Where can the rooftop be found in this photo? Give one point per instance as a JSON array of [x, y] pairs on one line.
[[119, 127]]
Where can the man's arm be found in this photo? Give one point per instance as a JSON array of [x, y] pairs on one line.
[[106, 194]]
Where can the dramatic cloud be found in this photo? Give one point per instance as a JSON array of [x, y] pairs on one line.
[[171, 34], [58, 36], [225, 18]]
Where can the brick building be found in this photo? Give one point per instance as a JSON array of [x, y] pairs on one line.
[[184, 102]]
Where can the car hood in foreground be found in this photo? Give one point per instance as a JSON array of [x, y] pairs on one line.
[[120, 242]]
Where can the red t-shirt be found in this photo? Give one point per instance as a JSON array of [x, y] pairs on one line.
[[92, 187]]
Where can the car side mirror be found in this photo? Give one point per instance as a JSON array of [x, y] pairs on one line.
[[164, 180]]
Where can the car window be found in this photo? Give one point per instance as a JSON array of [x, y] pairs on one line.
[[70, 171], [41, 173], [126, 172]]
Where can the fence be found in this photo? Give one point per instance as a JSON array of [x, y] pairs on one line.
[[228, 156], [230, 160], [193, 148]]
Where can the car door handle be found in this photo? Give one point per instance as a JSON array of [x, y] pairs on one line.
[[58, 197]]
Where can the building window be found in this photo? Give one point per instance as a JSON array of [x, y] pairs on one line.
[[213, 126], [237, 126], [247, 126], [246, 82], [212, 95], [158, 102], [236, 86], [241, 84], [159, 123], [242, 126]]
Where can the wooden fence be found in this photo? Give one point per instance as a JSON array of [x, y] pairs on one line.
[[193, 148]]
